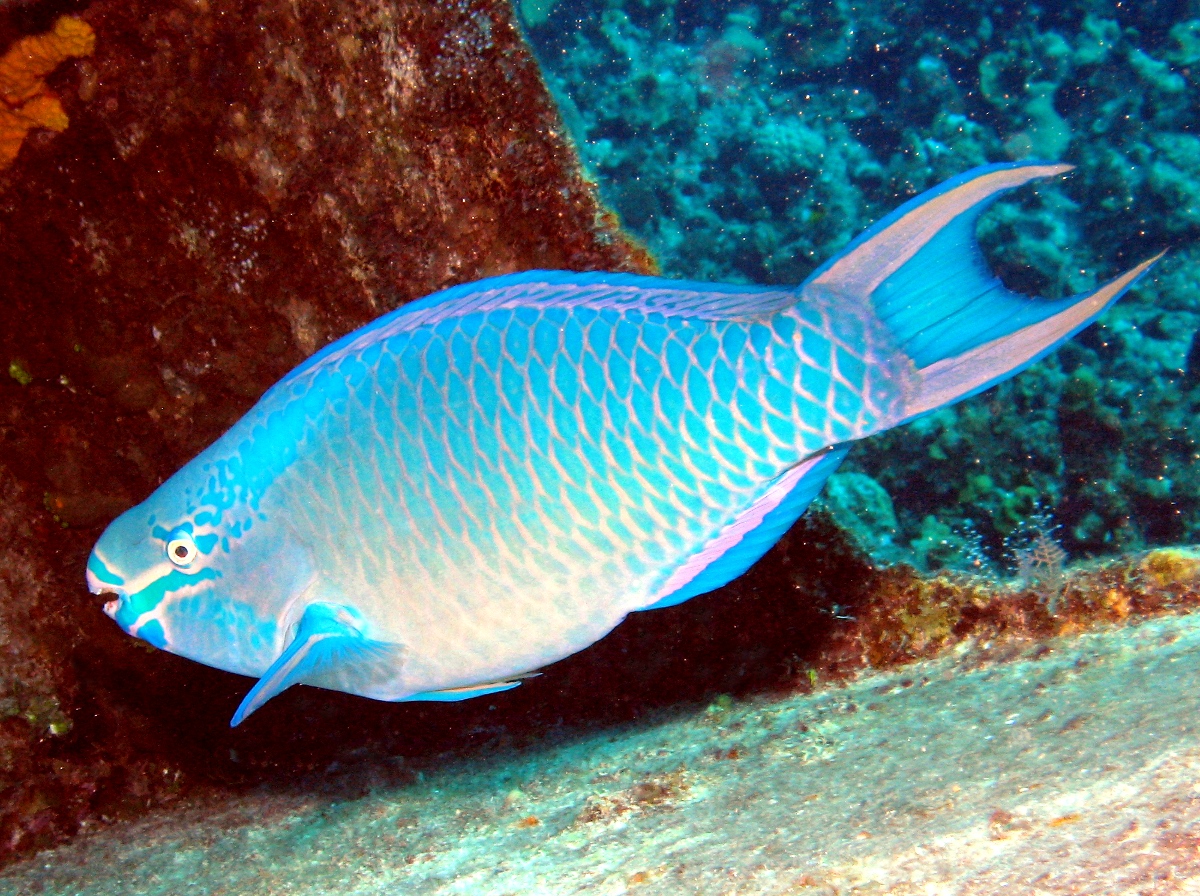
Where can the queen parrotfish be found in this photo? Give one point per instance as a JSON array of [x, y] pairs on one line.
[[491, 478]]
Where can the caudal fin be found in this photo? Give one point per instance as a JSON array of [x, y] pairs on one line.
[[924, 274]]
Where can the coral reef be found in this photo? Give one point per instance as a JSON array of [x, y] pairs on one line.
[[242, 181], [750, 141]]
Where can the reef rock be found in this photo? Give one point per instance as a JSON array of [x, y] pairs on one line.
[[231, 184]]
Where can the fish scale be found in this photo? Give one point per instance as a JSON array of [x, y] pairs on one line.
[[445, 488], [491, 478]]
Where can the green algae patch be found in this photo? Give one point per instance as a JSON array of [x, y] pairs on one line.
[[18, 371]]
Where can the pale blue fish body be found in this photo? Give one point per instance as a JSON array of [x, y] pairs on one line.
[[492, 478]]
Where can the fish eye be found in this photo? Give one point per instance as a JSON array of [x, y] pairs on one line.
[[181, 550]]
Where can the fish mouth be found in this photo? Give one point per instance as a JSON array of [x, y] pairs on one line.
[[100, 581], [97, 587]]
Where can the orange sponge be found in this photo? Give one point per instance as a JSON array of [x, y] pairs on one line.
[[25, 100]]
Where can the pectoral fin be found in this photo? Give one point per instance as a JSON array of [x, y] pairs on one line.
[[327, 650]]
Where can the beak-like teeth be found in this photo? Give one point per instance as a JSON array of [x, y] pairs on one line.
[[96, 586]]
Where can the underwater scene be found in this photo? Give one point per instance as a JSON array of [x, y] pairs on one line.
[[599, 446]]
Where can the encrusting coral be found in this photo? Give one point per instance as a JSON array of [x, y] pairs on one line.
[[25, 100]]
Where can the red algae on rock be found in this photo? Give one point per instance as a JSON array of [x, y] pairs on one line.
[[242, 181], [898, 615]]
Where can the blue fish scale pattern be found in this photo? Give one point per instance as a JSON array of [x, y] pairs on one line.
[[573, 449]]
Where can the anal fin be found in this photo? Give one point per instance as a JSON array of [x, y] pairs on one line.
[[755, 530]]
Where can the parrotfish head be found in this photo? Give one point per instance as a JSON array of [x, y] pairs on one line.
[[198, 570]]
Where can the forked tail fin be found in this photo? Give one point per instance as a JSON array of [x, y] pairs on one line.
[[925, 276]]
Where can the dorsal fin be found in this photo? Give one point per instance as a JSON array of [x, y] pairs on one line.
[[562, 289]]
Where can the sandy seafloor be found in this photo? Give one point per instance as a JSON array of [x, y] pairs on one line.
[[1067, 767]]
